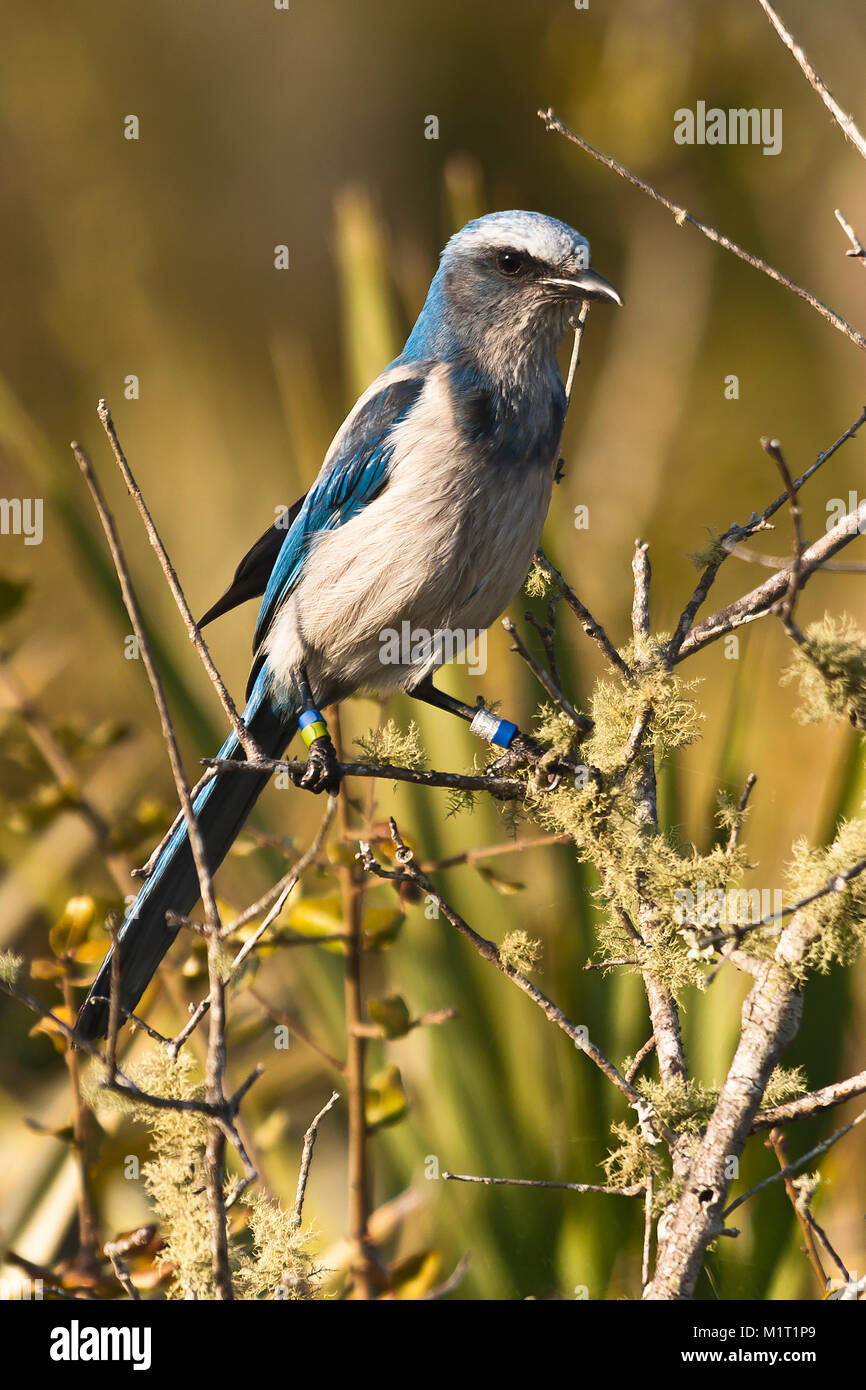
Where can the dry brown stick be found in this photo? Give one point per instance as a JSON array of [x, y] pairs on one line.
[[635, 1190], [786, 608], [647, 1231], [837, 883], [646, 1051], [578, 323], [825, 1241], [473, 856], [592, 629], [246, 739], [776, 1141], [408, 869], [116, 1249], [777, 562], [664, 1014], [858, 250], [759, 602], [275, 898], [580, 721], [845, 122], [307, 1159], [88, 1238], [169, 738], [507, 788], [215, 1067], [815, 1103], [798, 1163], [122, 1084], [727, 543], [682, 216], [352, 894]]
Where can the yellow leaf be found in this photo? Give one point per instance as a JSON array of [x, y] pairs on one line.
[[381, 927], [46, 969], [71, 930], [415, 1276], [48, 1026]]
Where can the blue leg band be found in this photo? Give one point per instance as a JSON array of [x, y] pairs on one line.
[[498, 731], [312, 726]]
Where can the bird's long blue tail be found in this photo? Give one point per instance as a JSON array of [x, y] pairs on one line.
[[221, 808]]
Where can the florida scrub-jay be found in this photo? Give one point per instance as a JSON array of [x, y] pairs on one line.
[[427, 510]]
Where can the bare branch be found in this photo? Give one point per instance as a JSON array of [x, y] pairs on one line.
[[681, 216], [587, 621], [635, 1190], [845, 122], [798, 1163], [307, 1159], [246, 739]]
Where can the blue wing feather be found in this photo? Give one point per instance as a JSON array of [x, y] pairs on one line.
[[354, 473]]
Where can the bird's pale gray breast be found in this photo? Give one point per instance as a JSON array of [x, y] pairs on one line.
[[446, 544]]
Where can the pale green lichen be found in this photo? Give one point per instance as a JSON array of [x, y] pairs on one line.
[[10, 966], [393, 746], [830, 670], [537, 582], [838, 918], [521, 951]]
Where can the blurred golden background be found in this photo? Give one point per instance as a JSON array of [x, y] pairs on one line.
[[154, 258]]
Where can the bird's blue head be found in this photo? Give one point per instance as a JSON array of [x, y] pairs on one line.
[[502, 296]]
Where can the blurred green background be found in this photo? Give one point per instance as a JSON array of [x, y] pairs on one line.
[[155, 258]]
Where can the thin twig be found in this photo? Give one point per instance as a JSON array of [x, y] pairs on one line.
[[408, 870], [837, 883], [635, 1190], [506, 788], [815, 1103], [797, 1164], [786, 610], [776, 1141], [562, 702], [646, 1051], [682, 216], [245, 738], [845, 122], [582, 613], [307, 1158], [858, 250]]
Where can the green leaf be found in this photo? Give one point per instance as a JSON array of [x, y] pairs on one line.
[[391, 1014], [385, 1101]]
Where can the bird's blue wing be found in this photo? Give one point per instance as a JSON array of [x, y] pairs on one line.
[[354, 472]]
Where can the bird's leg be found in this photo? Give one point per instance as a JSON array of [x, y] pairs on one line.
[[521, 750], [322, 773]]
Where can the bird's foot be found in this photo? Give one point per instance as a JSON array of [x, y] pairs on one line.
[[322, 772], [526, 751]]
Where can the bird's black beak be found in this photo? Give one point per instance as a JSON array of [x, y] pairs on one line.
[[586, 284]]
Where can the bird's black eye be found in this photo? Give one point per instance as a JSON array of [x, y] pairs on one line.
[[511, 262]]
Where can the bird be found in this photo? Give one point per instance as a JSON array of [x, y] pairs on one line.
[[427, 510]]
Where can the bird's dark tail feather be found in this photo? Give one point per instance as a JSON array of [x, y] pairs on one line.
[[222, 806]]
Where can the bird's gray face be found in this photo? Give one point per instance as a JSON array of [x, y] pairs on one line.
[[518, 277]]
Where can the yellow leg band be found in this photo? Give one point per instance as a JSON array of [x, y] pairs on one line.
[[310, 732]]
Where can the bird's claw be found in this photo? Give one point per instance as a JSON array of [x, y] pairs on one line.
[[525, 751], [322, 772]]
